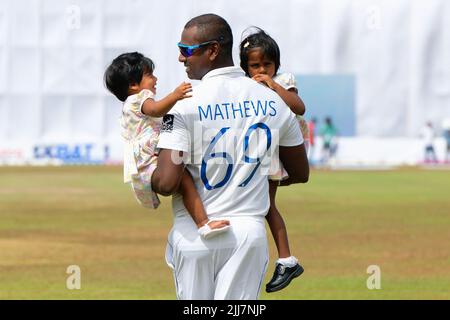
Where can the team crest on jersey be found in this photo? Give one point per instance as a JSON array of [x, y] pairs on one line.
[[167, 124]]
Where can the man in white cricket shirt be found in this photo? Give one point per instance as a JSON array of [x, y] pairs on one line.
[[222, 133]]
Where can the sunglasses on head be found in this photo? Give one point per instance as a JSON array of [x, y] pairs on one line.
[[188, 51]]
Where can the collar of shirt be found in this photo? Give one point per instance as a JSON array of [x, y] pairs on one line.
[[226, 71]]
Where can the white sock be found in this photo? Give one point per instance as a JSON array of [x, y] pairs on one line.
[[288, 262]]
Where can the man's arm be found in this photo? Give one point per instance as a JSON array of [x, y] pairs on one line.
[[167, 176], [295, 162]]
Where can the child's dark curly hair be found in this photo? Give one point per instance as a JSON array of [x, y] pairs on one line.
[[126, 70], [262, 41]]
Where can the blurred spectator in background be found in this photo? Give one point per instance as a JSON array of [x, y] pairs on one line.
[[427, 134], [446, 127], [328, 133], [312, 132]]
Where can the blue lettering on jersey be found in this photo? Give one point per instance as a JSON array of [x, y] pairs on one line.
[[259, 107], [218, 112], [265, 107], [238, 110], [205, 114], [273, 109], [226, 109], [254, 110], [246, 109]]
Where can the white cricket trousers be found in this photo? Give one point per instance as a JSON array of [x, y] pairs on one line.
[[229, 266]]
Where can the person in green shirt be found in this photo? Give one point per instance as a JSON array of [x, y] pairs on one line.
[[328, 133]]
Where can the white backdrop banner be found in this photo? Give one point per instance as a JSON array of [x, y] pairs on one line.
[[53, 54]]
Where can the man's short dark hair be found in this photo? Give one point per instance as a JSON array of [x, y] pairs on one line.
[[126, 70], [213, 27]]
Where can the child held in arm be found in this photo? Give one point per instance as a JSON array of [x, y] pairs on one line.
[[130, 78], [260, 59]]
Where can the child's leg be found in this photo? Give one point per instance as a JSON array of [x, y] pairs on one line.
[[192, 201], [194, 205], [142, 187], [276, 224], [287, 267]]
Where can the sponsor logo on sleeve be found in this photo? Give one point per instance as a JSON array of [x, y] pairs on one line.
[[167, 124]]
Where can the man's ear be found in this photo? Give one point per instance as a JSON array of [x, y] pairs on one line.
[[214, 48]]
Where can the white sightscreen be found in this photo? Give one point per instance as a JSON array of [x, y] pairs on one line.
[[53, 54]]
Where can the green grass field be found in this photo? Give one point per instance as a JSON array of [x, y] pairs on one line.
[[339, 224]]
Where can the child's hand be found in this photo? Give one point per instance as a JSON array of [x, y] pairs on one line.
[[182, 91], [265, 79]]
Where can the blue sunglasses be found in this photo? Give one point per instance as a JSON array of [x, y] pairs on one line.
[[188, 51]]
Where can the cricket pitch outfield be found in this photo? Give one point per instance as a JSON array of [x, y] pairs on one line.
[[339, 224]]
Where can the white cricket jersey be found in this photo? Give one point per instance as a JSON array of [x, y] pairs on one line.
[[228, 130]]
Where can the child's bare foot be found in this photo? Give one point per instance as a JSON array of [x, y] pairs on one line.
[[213, 228]]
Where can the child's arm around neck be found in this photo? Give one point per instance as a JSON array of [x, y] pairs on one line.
[[290, 97]]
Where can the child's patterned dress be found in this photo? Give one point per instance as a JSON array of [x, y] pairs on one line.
[[141, 134]]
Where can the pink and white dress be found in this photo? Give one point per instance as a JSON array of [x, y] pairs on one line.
[[141, 136]]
